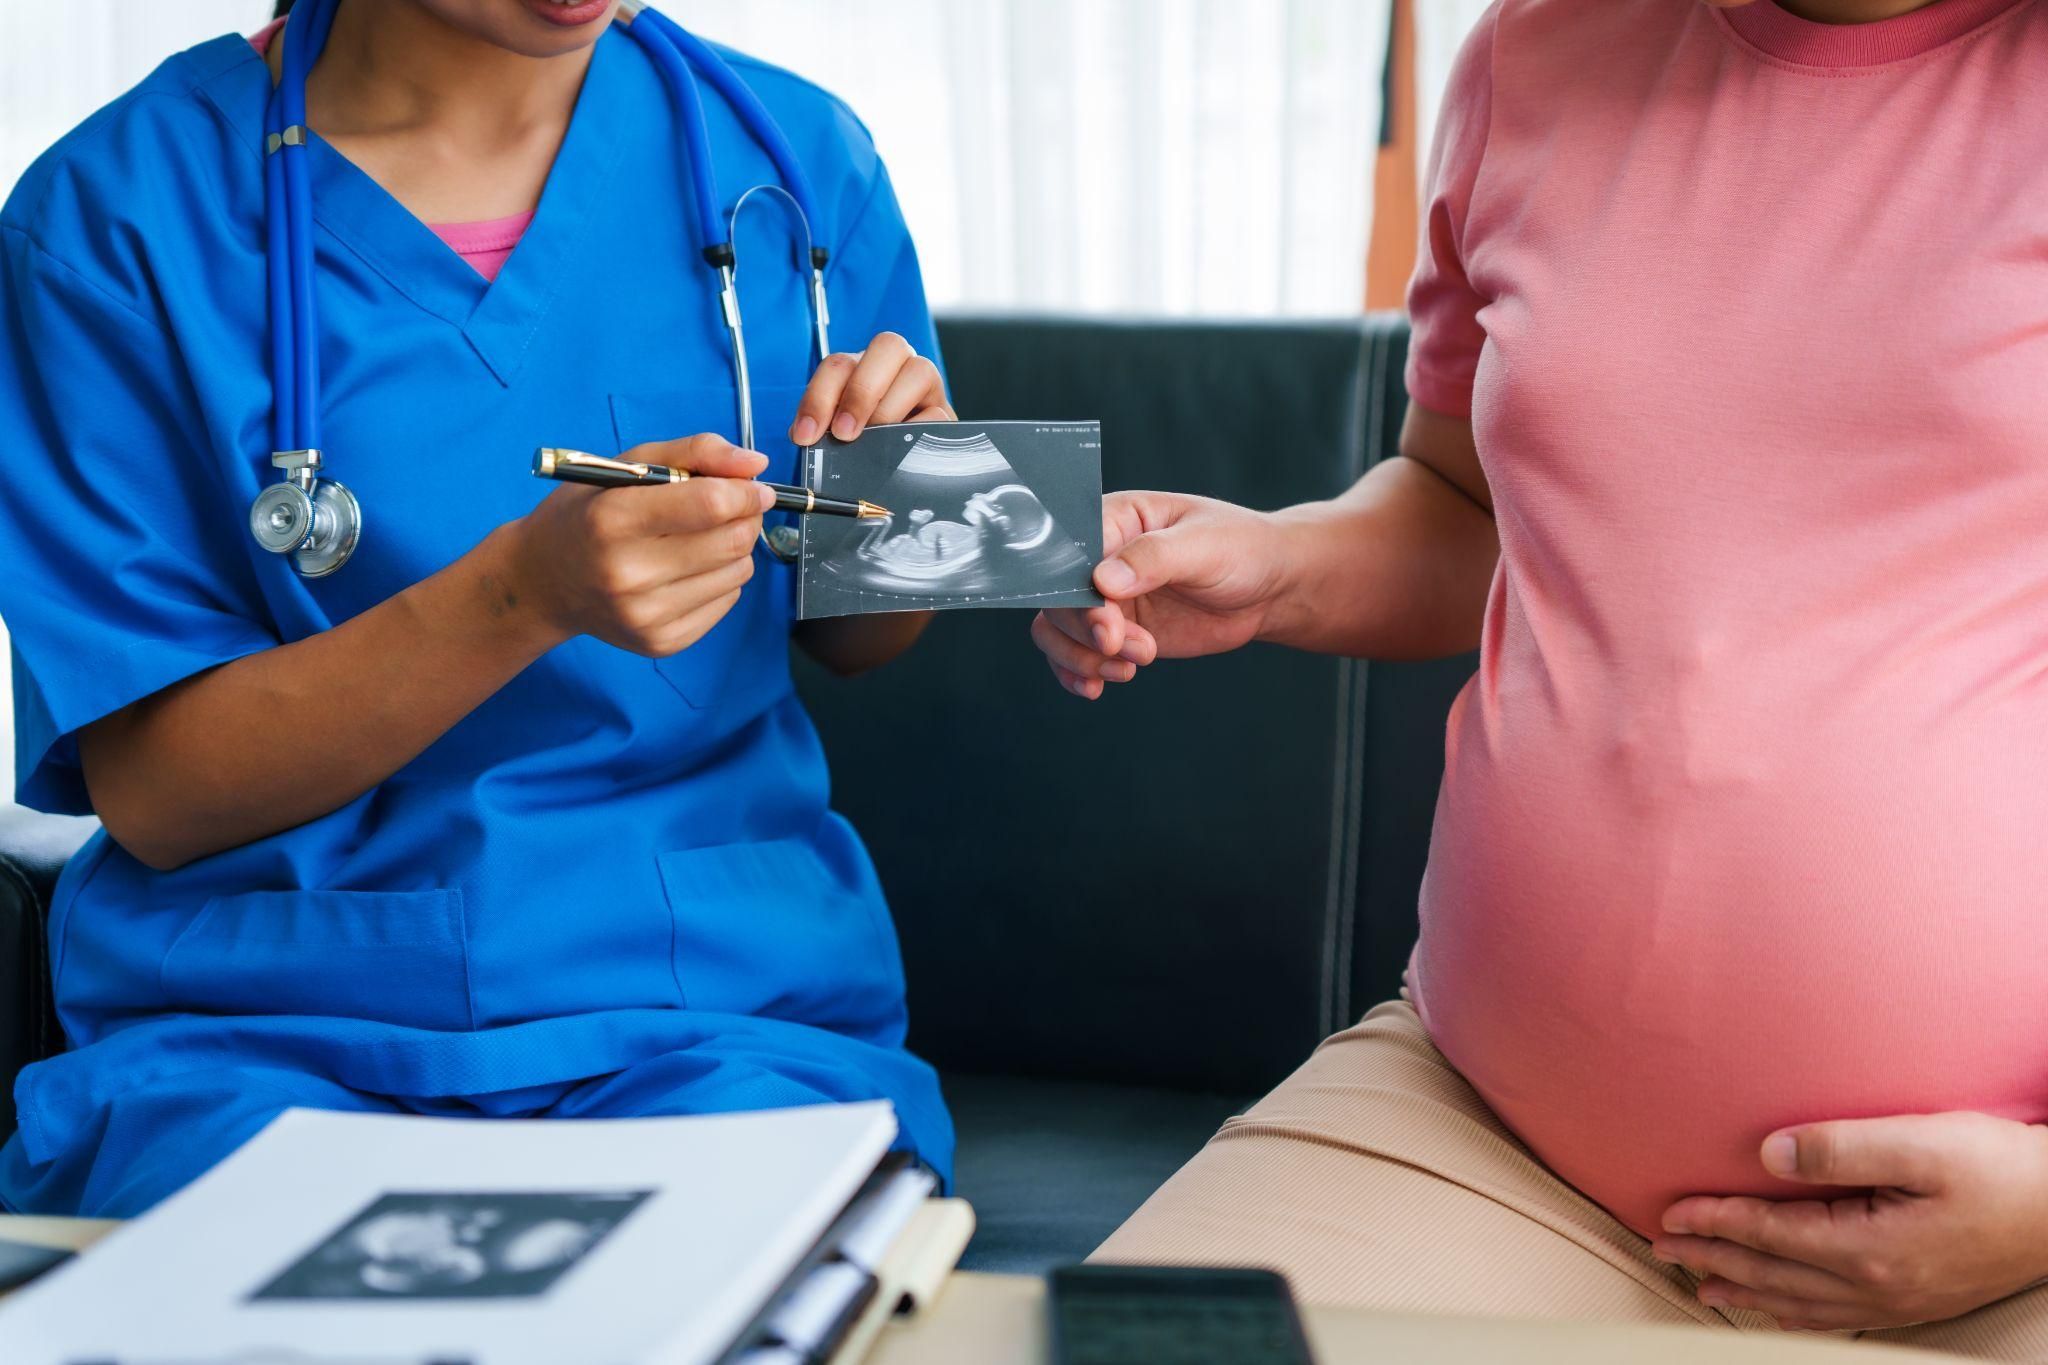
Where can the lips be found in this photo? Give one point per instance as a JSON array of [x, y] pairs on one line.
[[570, 13]]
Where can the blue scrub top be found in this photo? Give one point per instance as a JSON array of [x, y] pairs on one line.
[[610, 861]]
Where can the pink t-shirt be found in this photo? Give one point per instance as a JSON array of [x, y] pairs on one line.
[[1745, 819], [485, 244]]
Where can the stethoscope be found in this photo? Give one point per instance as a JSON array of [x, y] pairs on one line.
[[316, 520]]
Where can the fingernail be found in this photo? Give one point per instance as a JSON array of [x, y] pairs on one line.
[[1664, 1254], [767, 496], [1116, 670], [844, 427], [1115, 577], [1713, 1301], [1781, 1154], [1101, 637], [1673, 1223], [806, 430]]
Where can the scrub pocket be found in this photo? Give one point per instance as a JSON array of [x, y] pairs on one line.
[[769, 929], [730, 652], [396, 957]]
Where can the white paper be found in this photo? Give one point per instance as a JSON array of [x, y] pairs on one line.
[[880, 1219], [706, 1219]]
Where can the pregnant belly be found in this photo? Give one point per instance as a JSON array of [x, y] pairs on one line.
[[1644, 983]]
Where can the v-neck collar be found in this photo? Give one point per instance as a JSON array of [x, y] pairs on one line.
[[498, 318]]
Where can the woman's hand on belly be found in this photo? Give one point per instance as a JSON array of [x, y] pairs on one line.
[[1956, 1218]]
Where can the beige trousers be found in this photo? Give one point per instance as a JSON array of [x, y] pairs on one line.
[[1375, 1177]]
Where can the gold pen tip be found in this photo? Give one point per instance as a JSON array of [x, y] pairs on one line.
[[874, 509]]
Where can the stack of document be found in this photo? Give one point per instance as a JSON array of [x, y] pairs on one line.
[[389, 1240]]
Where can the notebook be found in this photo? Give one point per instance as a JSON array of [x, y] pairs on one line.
[[399, 1240]]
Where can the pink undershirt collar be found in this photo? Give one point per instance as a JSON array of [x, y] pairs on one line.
[[1781, 34]]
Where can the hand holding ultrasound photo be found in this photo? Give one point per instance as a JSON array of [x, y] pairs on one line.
[[981, 514]]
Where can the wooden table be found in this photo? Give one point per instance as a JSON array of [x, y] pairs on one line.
[[1000, 1320]]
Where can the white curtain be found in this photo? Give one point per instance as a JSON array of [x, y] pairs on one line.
[[1183, 156], [1170, 156], [59, 62]]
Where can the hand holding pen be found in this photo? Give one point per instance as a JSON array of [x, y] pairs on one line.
[[647, 569]]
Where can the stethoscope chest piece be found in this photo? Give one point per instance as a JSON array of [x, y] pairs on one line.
[[281, 518], [337, 526], [786, 543], [316, 521]]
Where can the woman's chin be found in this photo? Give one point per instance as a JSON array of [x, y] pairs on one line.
[[531, 28]]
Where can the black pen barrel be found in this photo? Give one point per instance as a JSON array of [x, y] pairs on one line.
[[803, 500]]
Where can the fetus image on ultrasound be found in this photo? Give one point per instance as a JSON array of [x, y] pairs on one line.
[[966, 526], [464, 1244]]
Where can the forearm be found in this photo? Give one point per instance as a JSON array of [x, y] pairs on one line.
[[1396, 568], [281, 737], [850, 645]]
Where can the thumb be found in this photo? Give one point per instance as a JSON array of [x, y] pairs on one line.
[[709, 455], [1145, 563], [1905, 1152]]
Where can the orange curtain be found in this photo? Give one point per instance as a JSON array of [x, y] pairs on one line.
[[1396, 194]]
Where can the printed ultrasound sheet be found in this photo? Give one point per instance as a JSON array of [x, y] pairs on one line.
[[981, 514], [456, 1244]]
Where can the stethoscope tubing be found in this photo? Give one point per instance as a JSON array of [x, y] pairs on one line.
[[752, 112], [284, 417], [295, 347], [689, 103]]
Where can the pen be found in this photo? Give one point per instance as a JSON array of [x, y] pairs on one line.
[[577, 466]]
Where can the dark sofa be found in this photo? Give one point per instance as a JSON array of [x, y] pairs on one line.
[[1140, 913]]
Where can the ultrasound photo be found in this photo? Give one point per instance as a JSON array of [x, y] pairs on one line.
[[979, 514], [468, 1245]]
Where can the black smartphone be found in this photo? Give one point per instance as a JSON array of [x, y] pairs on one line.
[[21, 1262], [1174, 1315]]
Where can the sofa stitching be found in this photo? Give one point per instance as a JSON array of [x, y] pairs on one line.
[[1333, 886], [1333, 874], [1346, 778], [1354, 824]]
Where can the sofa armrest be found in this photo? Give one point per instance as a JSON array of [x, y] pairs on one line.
[[33, 850]]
